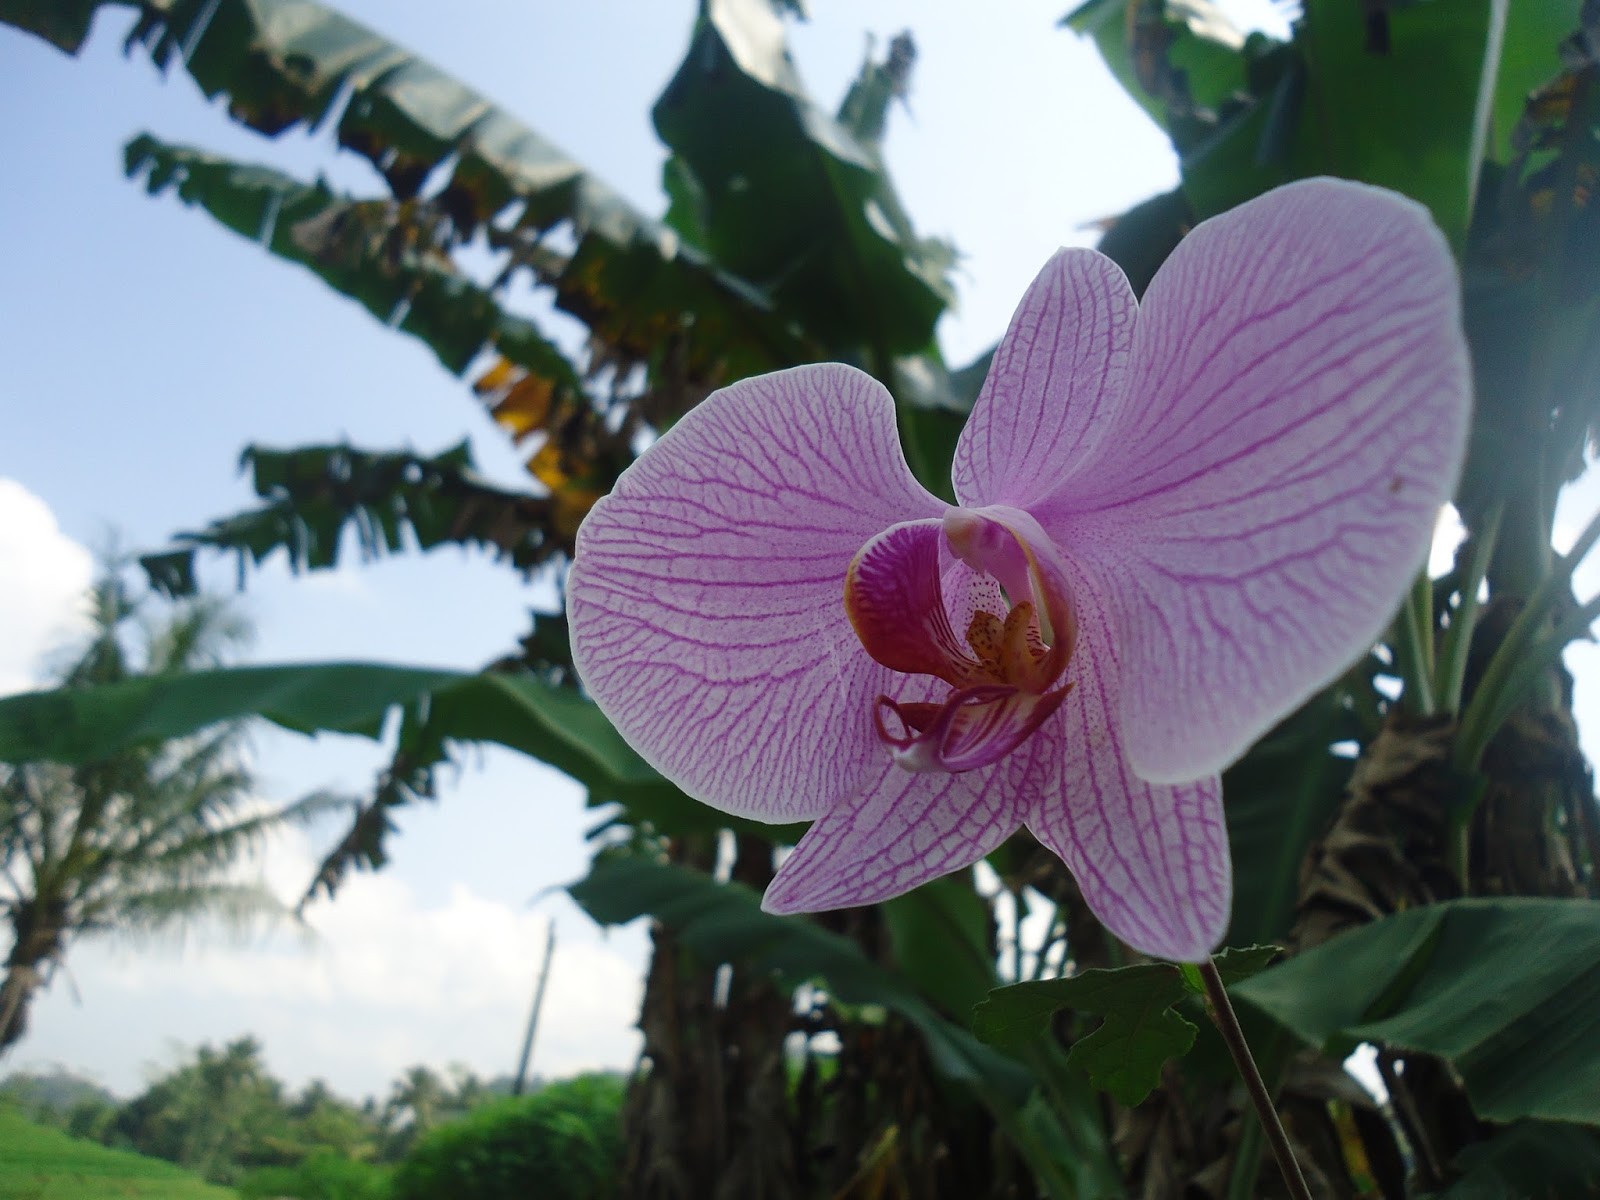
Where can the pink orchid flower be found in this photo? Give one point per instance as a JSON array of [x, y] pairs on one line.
[[1178, 520]]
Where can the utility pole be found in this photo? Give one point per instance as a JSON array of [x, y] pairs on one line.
[[521, 1081]]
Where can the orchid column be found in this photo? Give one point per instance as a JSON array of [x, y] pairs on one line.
[[1178, 520]]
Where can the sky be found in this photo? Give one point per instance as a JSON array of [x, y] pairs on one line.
[[143, 346]]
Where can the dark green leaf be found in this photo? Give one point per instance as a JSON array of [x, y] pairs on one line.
[[631, 279], [943, 939], [793, 199], [724, 923], [1507, 990], [387, 256], [554, 724], [1125, 1054], [1279, 799], [1141, 238], [1237, 964], [1106, 21], [1412, 116], [84, 724], [62, 23], [317, 496], [1534, 1159]]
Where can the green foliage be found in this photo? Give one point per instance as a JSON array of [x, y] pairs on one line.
[[1506, 990], [315, 495], [788, 197], [133, 837], [288, 62], [1280, 797], [213, 1115], [382, 253], [1412, 97], [564, 1142], [724, 923], [1142, 1029], [943, 939], [323, 1175], [44, 1164], [1125, 1055], [520, 711], [1408, 109], [785, 241], [81, 724], [1529, 1159], [515, 709]]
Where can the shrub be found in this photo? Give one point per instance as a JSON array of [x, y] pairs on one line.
[[562, 1143], [324, 1175]]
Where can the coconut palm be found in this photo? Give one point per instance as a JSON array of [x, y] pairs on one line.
[[145, 842]]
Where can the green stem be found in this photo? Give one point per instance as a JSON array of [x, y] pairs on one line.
[[1512, 666], [1227, 1023], [1414, 644], [1458, 638], [1046, 1170], [1460, 833]]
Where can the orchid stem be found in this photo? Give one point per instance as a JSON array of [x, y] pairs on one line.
[[1227, 1023]]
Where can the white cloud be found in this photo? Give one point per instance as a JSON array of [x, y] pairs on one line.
[[384, 982], [43, 578]]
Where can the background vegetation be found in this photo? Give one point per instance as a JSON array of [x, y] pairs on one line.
[[1420, 840]]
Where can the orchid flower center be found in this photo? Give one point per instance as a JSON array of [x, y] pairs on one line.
[[1001, 673]]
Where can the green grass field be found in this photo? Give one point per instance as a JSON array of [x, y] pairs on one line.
[[43, 1164]]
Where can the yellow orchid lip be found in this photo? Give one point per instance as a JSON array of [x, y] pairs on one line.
[[1001, 673]]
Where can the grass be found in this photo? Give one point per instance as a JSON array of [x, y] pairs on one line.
[[44, 1164]]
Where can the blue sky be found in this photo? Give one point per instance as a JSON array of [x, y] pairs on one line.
[[144, 346]]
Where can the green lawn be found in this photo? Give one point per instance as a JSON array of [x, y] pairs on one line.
[[43, 1164]]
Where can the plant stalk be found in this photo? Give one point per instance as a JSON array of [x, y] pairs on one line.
[[1512, 664], [1227, 1023], [1464, 620], [1414, 646]]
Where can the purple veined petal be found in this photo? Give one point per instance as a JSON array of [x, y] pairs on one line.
[[1058, 378], [706, 598], [1299, 400], [897, 831], [1151, 859]]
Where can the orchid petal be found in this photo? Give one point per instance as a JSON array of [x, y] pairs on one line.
[[1151, 860], [1058, 378], [1299, 396], [706, 594], [897, 831]]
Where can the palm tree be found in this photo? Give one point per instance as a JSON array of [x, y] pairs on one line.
[[144, 842], [417, 1102]]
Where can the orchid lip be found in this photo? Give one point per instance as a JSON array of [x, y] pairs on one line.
[[1002, 672], [974, 727]]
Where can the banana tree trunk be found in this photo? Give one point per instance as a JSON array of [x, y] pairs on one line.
[[708, 1114]]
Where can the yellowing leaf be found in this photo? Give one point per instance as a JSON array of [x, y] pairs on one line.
[[497, 378], [548, 466], [525, 407]]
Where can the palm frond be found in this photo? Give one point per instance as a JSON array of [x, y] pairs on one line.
[[175, 910]]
